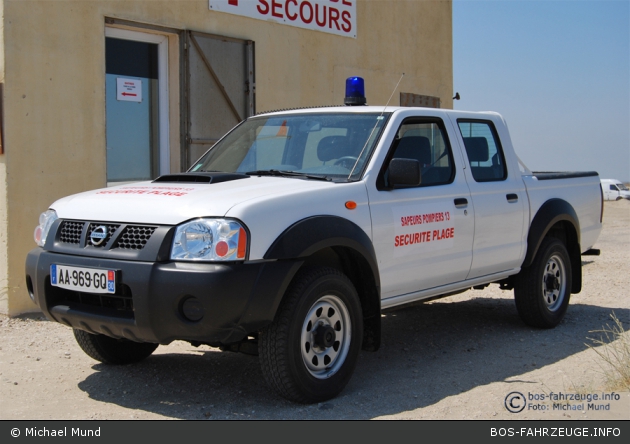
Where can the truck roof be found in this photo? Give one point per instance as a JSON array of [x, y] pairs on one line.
[[373, 109]]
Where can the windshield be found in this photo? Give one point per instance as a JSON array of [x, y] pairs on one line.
[[335, 146], [622, 187]]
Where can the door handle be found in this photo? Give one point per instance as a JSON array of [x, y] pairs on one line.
[[460, 202], [512, 197]]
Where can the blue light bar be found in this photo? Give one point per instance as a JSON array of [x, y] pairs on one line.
[[355, 91]]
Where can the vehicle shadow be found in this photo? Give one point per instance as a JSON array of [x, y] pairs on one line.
[[429, 352]]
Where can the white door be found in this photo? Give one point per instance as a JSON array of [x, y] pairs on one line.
[[499, 199], [423, 234]]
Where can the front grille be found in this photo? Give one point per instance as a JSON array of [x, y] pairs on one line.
[[119, 235], [71, 232], [134, 237], [111, 229], [119, 304]]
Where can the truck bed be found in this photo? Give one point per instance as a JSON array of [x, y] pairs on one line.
[[550, 175], [581, 189]]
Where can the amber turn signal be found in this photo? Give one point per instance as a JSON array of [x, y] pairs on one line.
[[351, 205]]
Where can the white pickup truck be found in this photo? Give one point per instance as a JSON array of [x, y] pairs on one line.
[[297, 229]]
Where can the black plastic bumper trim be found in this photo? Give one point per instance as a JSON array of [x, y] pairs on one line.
[[237, 298]]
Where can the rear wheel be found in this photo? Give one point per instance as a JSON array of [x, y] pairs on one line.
[[543, 289], [113, 351], [309, 352]]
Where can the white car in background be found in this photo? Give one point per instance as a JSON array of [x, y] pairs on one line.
[[614, 190]]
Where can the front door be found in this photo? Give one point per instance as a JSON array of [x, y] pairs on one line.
[[422, 234]]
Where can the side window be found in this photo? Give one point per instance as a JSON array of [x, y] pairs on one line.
[[614, 188], [484, 151], [427, 143]]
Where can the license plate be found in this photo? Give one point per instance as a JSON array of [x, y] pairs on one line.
[[90, 280]]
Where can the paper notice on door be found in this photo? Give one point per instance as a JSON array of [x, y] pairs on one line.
[[129, 90]]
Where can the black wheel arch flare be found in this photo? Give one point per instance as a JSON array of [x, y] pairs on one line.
[[316, 233], [551, 213]]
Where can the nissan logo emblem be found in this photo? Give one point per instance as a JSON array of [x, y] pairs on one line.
[[98, 235]]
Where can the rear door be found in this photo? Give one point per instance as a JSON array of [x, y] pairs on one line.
[[498, 196]]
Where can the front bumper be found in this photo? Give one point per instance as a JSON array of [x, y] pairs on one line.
[[236, 299]]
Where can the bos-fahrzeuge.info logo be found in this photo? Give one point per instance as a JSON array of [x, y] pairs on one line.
[[516, 402]]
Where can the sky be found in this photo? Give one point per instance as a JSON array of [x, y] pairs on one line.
[[559, 73]]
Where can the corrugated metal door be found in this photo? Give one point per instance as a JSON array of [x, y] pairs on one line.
[[219, 90]]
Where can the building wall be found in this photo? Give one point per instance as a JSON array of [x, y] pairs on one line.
[[54, 93], [4, 264]]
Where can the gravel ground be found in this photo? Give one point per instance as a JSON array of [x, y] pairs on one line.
[[454, 358]]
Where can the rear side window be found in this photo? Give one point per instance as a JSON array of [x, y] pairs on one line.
[[484, 151]]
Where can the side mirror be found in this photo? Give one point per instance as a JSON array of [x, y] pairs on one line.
[[404, 172]]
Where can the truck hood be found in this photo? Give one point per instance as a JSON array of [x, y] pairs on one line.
[[173, 203]]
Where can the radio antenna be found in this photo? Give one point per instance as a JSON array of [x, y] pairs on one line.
[[374, 128]]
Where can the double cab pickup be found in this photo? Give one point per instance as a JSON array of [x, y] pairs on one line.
[[292, 234]]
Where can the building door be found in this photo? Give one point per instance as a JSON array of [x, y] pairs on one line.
[[136, 105], [219, 90]]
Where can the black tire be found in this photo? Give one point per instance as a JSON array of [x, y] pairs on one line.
[[309, 352], [542, 290], [113, 351]]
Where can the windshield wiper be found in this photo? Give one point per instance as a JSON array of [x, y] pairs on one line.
[[281, 173]]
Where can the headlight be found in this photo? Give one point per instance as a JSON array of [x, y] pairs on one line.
[[209, 240], [46, 220]]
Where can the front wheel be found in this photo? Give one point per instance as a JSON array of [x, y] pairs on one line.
[[113, 351], [543, 289], [309, 352]]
